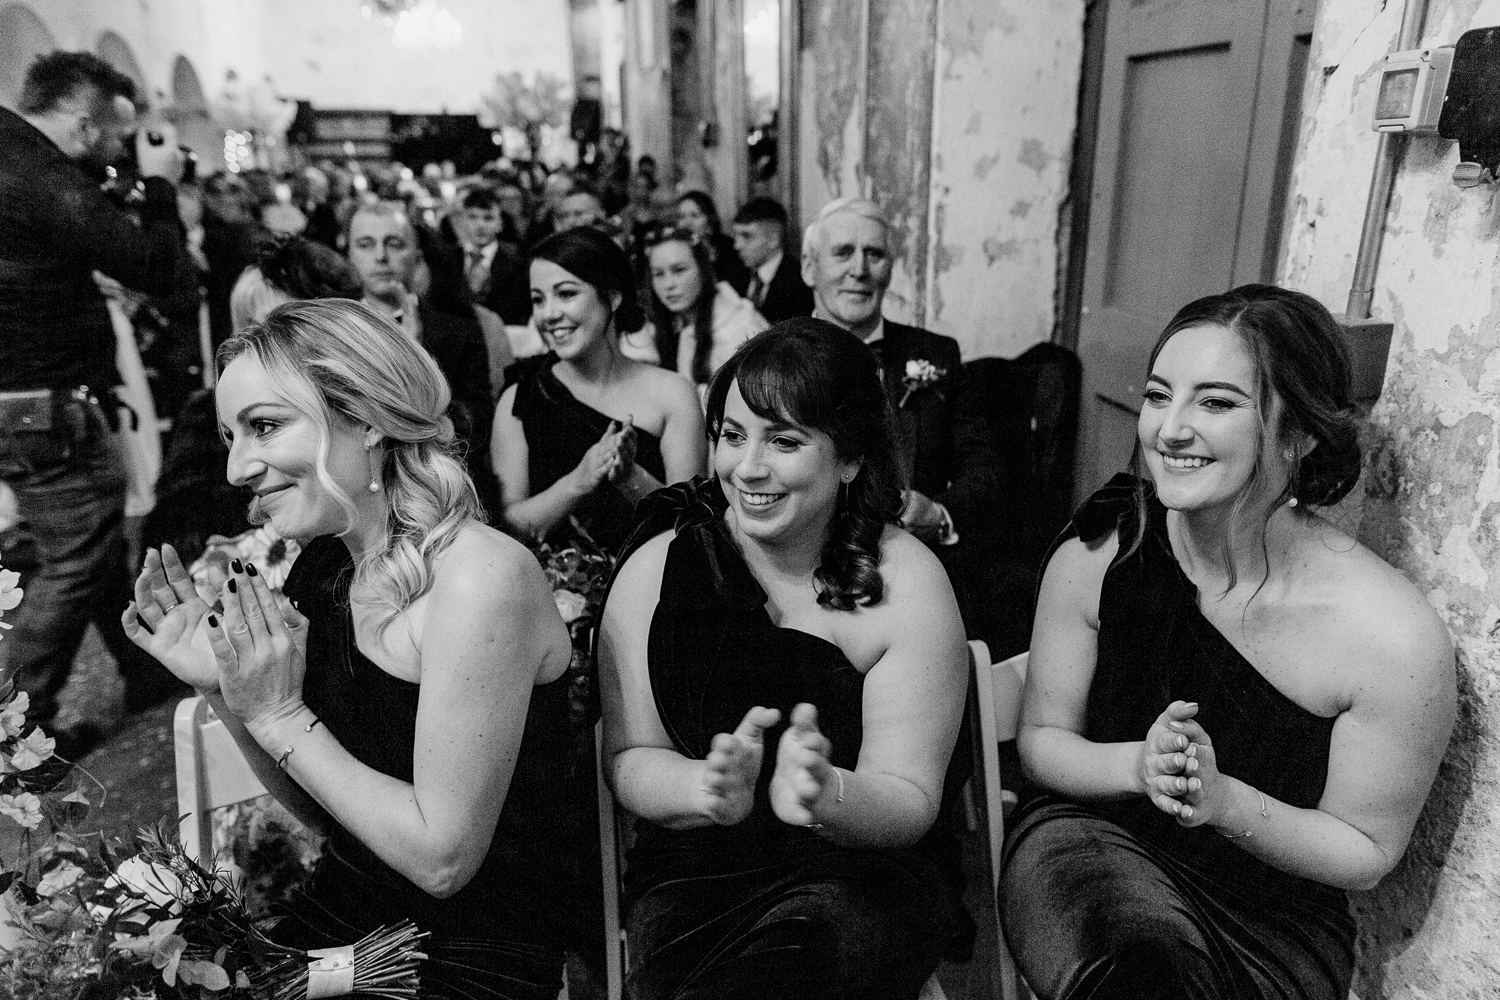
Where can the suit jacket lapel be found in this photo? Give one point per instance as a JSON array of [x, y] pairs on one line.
[[908, 423]]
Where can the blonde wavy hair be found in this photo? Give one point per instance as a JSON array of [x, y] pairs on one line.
[[338, 359]]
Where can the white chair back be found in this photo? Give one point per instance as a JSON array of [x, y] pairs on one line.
[[211, 773], [999, 686]]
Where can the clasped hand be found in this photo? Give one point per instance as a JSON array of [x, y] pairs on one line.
[[1178, 768], [803, 772], [610, 458], [254, 652]]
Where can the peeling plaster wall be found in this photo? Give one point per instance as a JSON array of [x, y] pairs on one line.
[[1431, 504], [958, 117], [1008, 94]]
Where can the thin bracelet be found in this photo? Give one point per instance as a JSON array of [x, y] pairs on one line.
[[1250, 833], [309, 727], [281, 763]]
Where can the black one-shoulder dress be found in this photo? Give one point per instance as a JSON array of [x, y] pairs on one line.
[[1115, 899], [761, 908], [559, 430], [502, 936]]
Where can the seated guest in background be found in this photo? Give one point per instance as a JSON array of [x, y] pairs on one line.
[[783, 673], [383, 250], [776, 287], [286, 269], [579, 207], [697, 213], [494, 268], [402, 695], [585, 432], [1234, 710], [686, 299], [950, 465]]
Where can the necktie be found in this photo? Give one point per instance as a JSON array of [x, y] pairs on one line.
[[476, 272], [756, 293]]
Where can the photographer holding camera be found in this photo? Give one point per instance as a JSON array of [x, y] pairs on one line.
[[57, 369]]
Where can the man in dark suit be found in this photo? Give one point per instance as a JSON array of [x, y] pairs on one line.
[[776, 286], [383, 249], [494, 267], [942, 437]]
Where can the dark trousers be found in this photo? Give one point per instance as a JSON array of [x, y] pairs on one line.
[[75, 509]]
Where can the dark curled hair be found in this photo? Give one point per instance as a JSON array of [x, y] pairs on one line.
[[703, 310], [306, 269], [55, 77], [596, 260], [1300, 358], [814, 375]]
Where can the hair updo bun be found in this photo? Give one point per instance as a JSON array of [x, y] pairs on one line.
[[594, 259]]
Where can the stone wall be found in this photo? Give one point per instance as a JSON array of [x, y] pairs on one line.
[[958, 117], [1431, 503]]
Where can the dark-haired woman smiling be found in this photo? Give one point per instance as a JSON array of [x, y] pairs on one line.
[[783, 675], [586, 432], [1237, 709]]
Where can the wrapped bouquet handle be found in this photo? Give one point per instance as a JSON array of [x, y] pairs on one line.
[[382, 964]]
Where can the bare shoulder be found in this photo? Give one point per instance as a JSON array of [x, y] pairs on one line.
[[1365, 606], [1074, 575], [642, 570], [485, 567], [909, 569], [669, 389]]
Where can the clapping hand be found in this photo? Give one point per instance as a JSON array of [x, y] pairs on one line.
[[1167, 767], [733, 765], [1201, 799], [608, 459], [260, 647], [803, 773], [174, 631]]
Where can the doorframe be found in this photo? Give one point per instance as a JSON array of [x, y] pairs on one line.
[[1081, 176]]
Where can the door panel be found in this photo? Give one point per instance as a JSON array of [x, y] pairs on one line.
[[1192, 128]]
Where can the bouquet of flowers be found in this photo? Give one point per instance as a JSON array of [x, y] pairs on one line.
[[83, 919], [578, 574]]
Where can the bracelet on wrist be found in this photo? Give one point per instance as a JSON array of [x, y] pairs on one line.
[[1248, 833]]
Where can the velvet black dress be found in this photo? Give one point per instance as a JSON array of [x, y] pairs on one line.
[[503, 934], [1114, 899], [761, 908], [559, 430]]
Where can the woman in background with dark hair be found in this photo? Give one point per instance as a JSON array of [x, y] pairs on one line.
[[697, 213], [585, 432], [783, 674], [1235, 710], [686, 298]]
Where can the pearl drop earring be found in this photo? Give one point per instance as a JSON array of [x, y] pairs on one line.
[[374, 470]]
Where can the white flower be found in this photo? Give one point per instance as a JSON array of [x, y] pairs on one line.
[[154, 884], [10, 594], [58, 879], [13, 715], [24, 808], [32, 749], [569, 605]]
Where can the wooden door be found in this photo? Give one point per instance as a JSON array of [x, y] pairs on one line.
[[1197, 123]]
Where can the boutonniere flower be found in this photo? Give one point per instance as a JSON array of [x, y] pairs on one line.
[[920, 374]]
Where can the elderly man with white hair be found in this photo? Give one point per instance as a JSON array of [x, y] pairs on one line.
[[944, 441]]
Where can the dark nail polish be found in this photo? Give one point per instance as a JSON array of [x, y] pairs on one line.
[[250, 568], [236, 565], [232, 588], [213, 621]]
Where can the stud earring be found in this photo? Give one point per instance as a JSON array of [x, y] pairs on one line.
[[1292, 502], [374, 470]]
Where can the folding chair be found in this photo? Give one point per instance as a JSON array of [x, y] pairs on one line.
[[211, 773], [999, 686]]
